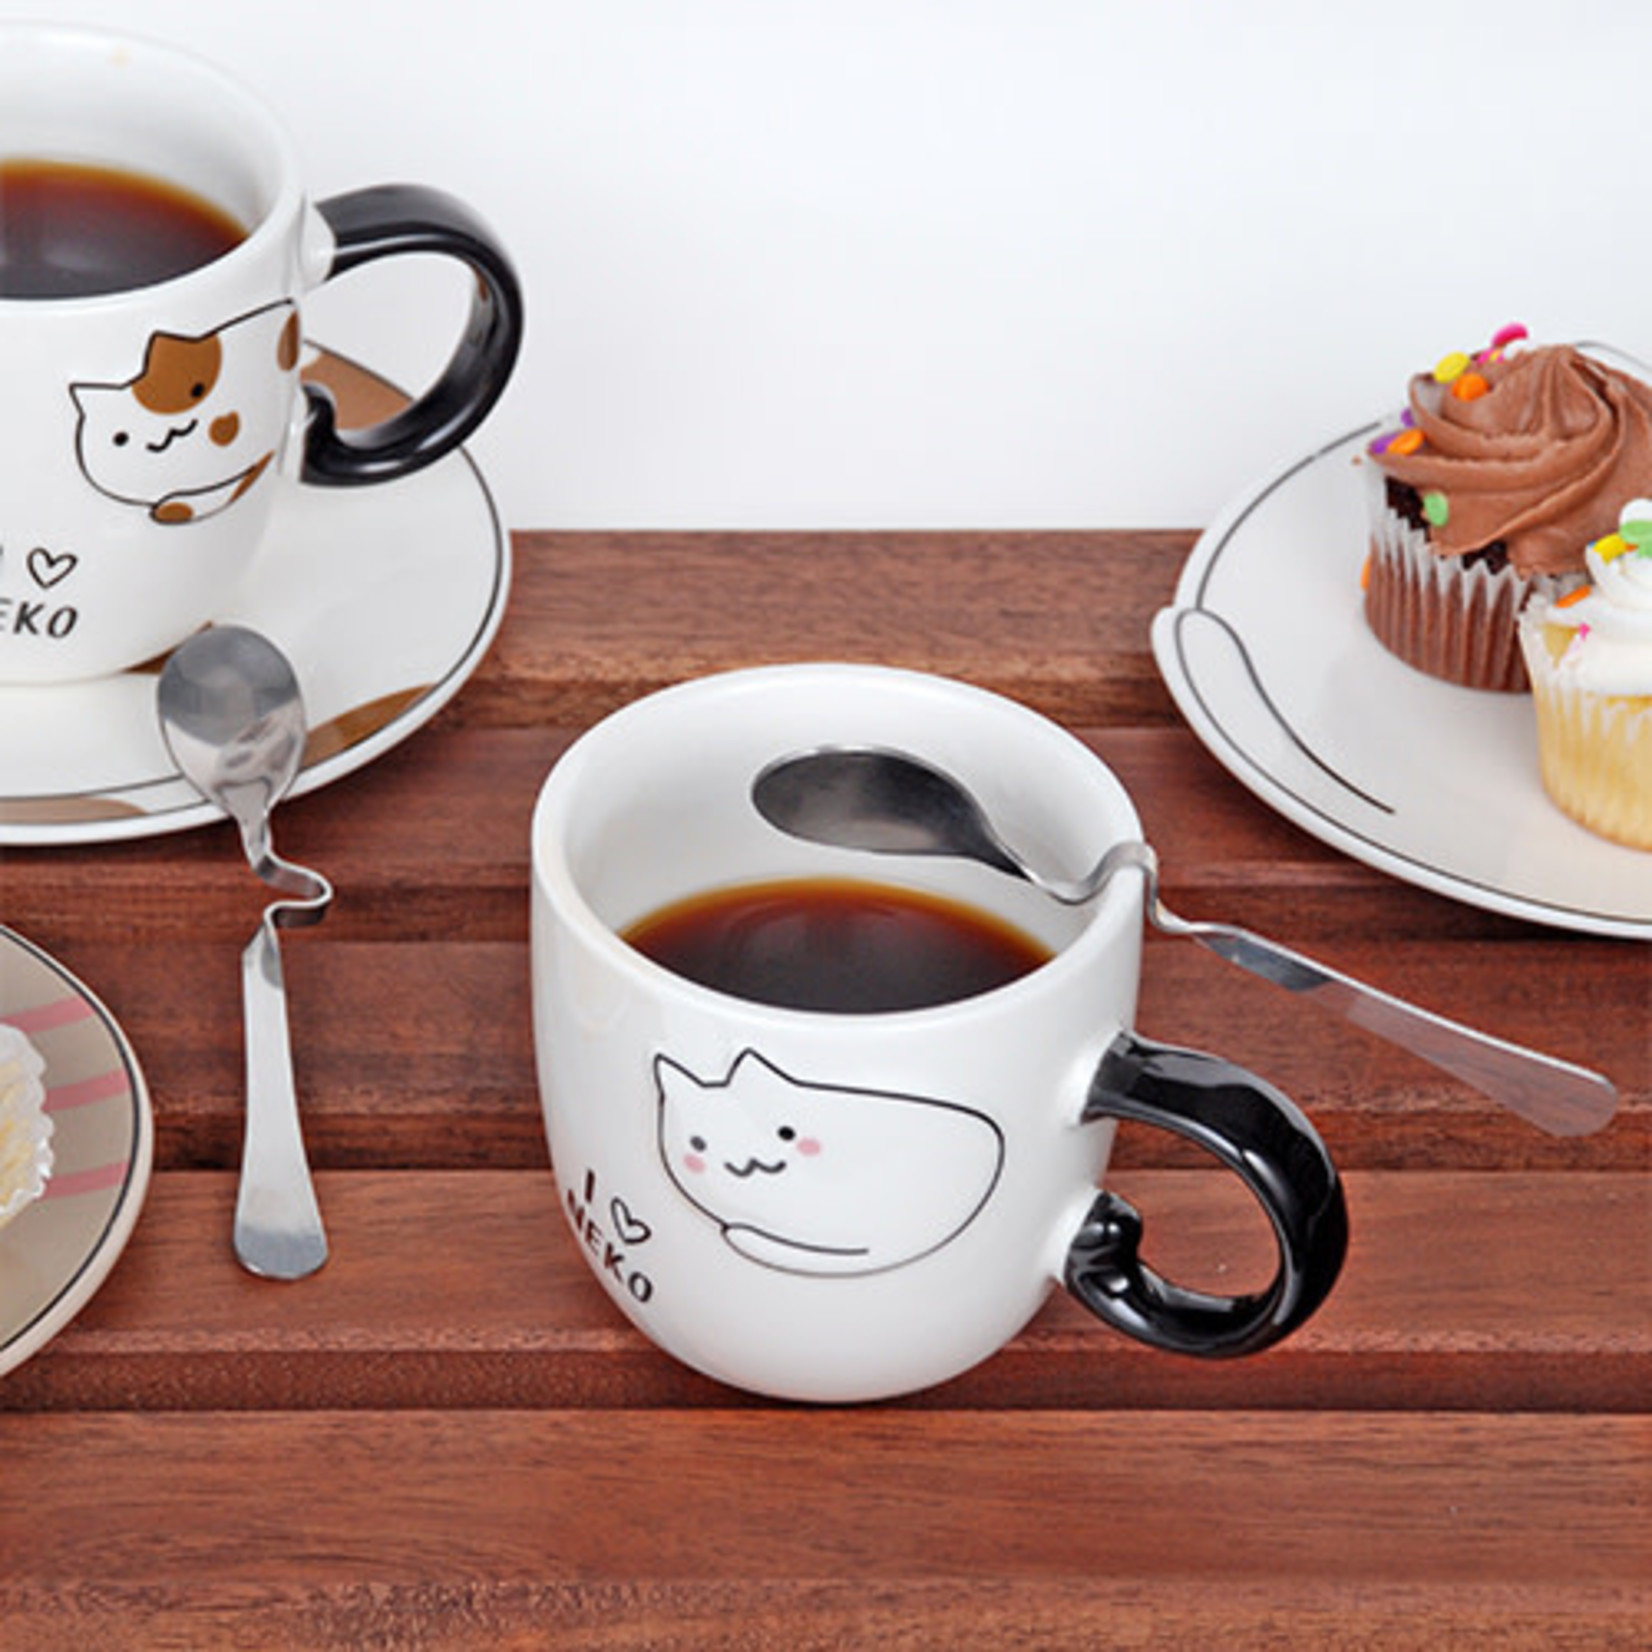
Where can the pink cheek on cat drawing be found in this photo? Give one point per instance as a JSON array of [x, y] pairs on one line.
[[808, 1147], [693, 1162]]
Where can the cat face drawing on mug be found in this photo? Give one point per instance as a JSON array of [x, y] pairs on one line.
[[201, 421], [820, 1178]]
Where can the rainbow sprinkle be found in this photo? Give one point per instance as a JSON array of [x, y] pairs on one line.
[[1456, 371], [1501, 340], [1637, 538], [1452, 366]]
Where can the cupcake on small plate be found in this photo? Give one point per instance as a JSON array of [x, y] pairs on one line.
[[1590, 658], [1502, 467], [25, 1129]]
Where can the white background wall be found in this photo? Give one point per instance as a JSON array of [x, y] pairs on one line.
[[882, 263]]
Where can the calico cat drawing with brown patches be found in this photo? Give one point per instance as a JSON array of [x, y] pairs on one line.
[[200, 423]]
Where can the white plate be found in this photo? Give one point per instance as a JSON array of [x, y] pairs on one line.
[[55, 1254], [1268, 655], [385, 598]]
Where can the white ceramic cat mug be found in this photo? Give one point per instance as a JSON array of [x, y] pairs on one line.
[[156, 248], [830, 1126]]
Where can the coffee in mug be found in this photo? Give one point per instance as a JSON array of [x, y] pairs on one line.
[[75, 231], [836, 944]]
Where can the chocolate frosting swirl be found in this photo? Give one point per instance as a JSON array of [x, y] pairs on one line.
[[1541, 461]]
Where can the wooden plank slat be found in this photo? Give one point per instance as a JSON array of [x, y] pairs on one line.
[[1057, 619], [465, 1289], [421, 1056], [1029, 1520], [434, 839], [820, 1614]]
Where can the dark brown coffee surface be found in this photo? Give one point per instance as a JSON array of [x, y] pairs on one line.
[[72, 231], [836, 944]]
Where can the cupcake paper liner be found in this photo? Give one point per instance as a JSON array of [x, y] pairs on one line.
[[1454, 622]]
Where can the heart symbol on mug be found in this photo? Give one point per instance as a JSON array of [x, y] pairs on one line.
[[631, 1228], [49, 570]]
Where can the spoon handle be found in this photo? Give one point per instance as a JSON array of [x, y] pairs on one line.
[[278, 1231], [1554, 1095]]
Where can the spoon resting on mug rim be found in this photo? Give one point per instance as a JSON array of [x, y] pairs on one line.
[[889, 802]]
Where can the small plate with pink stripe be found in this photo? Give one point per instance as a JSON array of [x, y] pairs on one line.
[[58, 1251]]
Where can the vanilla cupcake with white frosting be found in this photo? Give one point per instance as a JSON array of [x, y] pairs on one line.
[[25, 1128], [1589, 656]]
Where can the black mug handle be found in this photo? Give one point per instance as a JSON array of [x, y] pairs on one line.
[[377, 223], [1262, 1136]]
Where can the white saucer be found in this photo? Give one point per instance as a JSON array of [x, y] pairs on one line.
[[1267, 653], [385, 598], [55, 1254]]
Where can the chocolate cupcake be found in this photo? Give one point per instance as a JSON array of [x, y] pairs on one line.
[[1503, 466]]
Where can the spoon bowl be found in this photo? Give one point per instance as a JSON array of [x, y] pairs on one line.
[[890, 802], [233, 718]]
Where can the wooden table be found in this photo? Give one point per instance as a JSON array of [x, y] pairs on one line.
[[449, 1436]]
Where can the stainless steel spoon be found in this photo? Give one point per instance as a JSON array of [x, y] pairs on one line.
[[889, 802], [233, 719]]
